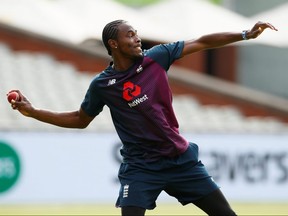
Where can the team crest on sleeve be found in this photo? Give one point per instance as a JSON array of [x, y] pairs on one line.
[[139, 69]]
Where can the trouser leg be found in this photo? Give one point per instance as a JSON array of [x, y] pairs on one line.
[[215, 204], [132, 211]]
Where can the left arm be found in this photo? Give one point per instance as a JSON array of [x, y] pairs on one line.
[[215, 40]]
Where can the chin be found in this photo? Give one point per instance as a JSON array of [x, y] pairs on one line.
[[139, 56]]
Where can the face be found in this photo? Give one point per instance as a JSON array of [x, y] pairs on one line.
[[128, 42]]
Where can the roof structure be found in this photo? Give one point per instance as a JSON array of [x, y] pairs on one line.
[[77, 20]]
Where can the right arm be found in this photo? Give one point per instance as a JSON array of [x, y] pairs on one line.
[[72, 119]]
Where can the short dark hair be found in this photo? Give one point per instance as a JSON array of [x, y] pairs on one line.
[[110, 31]]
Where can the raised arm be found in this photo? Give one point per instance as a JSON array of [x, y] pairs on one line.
[[72, 119], [215, 40]]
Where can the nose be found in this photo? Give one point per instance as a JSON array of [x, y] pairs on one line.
[[138, 39]]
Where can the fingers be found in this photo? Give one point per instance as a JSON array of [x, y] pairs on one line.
[[259, 27], [263, 25], [13, 105], [269, 25]]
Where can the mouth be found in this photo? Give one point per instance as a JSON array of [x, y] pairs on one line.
[[138, 45], [139, 48]]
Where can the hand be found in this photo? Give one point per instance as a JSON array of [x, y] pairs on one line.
[[258, 28], [23, 105]]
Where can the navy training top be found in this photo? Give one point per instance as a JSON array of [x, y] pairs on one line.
[[140, 103]]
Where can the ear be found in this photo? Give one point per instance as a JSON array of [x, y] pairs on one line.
[[113, 44]]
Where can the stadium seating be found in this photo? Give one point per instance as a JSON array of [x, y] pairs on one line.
[[58, 86]]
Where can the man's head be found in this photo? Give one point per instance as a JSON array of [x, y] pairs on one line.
[[110, 31], [119, 35]]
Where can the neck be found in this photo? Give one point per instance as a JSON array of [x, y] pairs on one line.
[[122, 65]]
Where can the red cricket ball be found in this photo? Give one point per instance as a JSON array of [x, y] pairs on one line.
[[13, 96]]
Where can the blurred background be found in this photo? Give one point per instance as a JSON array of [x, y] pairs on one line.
[[232, 101]]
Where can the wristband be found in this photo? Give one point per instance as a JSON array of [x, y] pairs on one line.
[[244, 35]]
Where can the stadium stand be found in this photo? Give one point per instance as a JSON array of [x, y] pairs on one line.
[[58, 85]]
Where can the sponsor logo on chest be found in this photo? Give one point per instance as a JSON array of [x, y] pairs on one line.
[[131, 93]]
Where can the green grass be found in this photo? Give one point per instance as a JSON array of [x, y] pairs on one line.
[[262, 209], [137, 3]]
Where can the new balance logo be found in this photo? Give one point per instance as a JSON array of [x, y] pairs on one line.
[[111, 82], [125, 191]]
